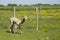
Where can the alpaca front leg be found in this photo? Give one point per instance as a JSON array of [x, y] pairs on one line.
[[20, 29]]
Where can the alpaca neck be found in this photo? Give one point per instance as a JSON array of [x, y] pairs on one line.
[[22, 21]]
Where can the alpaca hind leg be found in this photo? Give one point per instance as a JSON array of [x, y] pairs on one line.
[[12, 28]]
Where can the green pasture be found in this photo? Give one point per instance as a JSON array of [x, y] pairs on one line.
[[49, 25]]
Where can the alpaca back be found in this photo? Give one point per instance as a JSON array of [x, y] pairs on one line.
[[16, 20]]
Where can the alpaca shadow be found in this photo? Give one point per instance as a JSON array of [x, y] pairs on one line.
[[8, 31], [13, 33], [17, 33]]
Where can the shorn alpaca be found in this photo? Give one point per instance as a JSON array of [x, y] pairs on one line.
[[18, 22]]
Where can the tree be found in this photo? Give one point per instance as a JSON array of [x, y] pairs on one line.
[[56, 4], [12, 5], [2, 5], [37, 4], [20, 5]]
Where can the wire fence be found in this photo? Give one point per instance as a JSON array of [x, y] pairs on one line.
[[47, 18]]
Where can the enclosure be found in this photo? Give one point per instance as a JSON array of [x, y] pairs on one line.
[[48, 23]]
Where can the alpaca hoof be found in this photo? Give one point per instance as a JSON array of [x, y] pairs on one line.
[[12, 32], [21, 32]]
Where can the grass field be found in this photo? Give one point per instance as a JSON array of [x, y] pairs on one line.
[[49, 25]]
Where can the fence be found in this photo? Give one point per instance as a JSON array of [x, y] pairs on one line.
[[46, 17]]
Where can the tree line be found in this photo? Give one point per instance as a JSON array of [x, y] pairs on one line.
[[29, 7], [32, 5]]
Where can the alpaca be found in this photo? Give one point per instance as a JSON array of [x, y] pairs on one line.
[[18, 22]]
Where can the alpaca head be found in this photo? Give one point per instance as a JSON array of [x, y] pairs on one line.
[[25, 17]]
